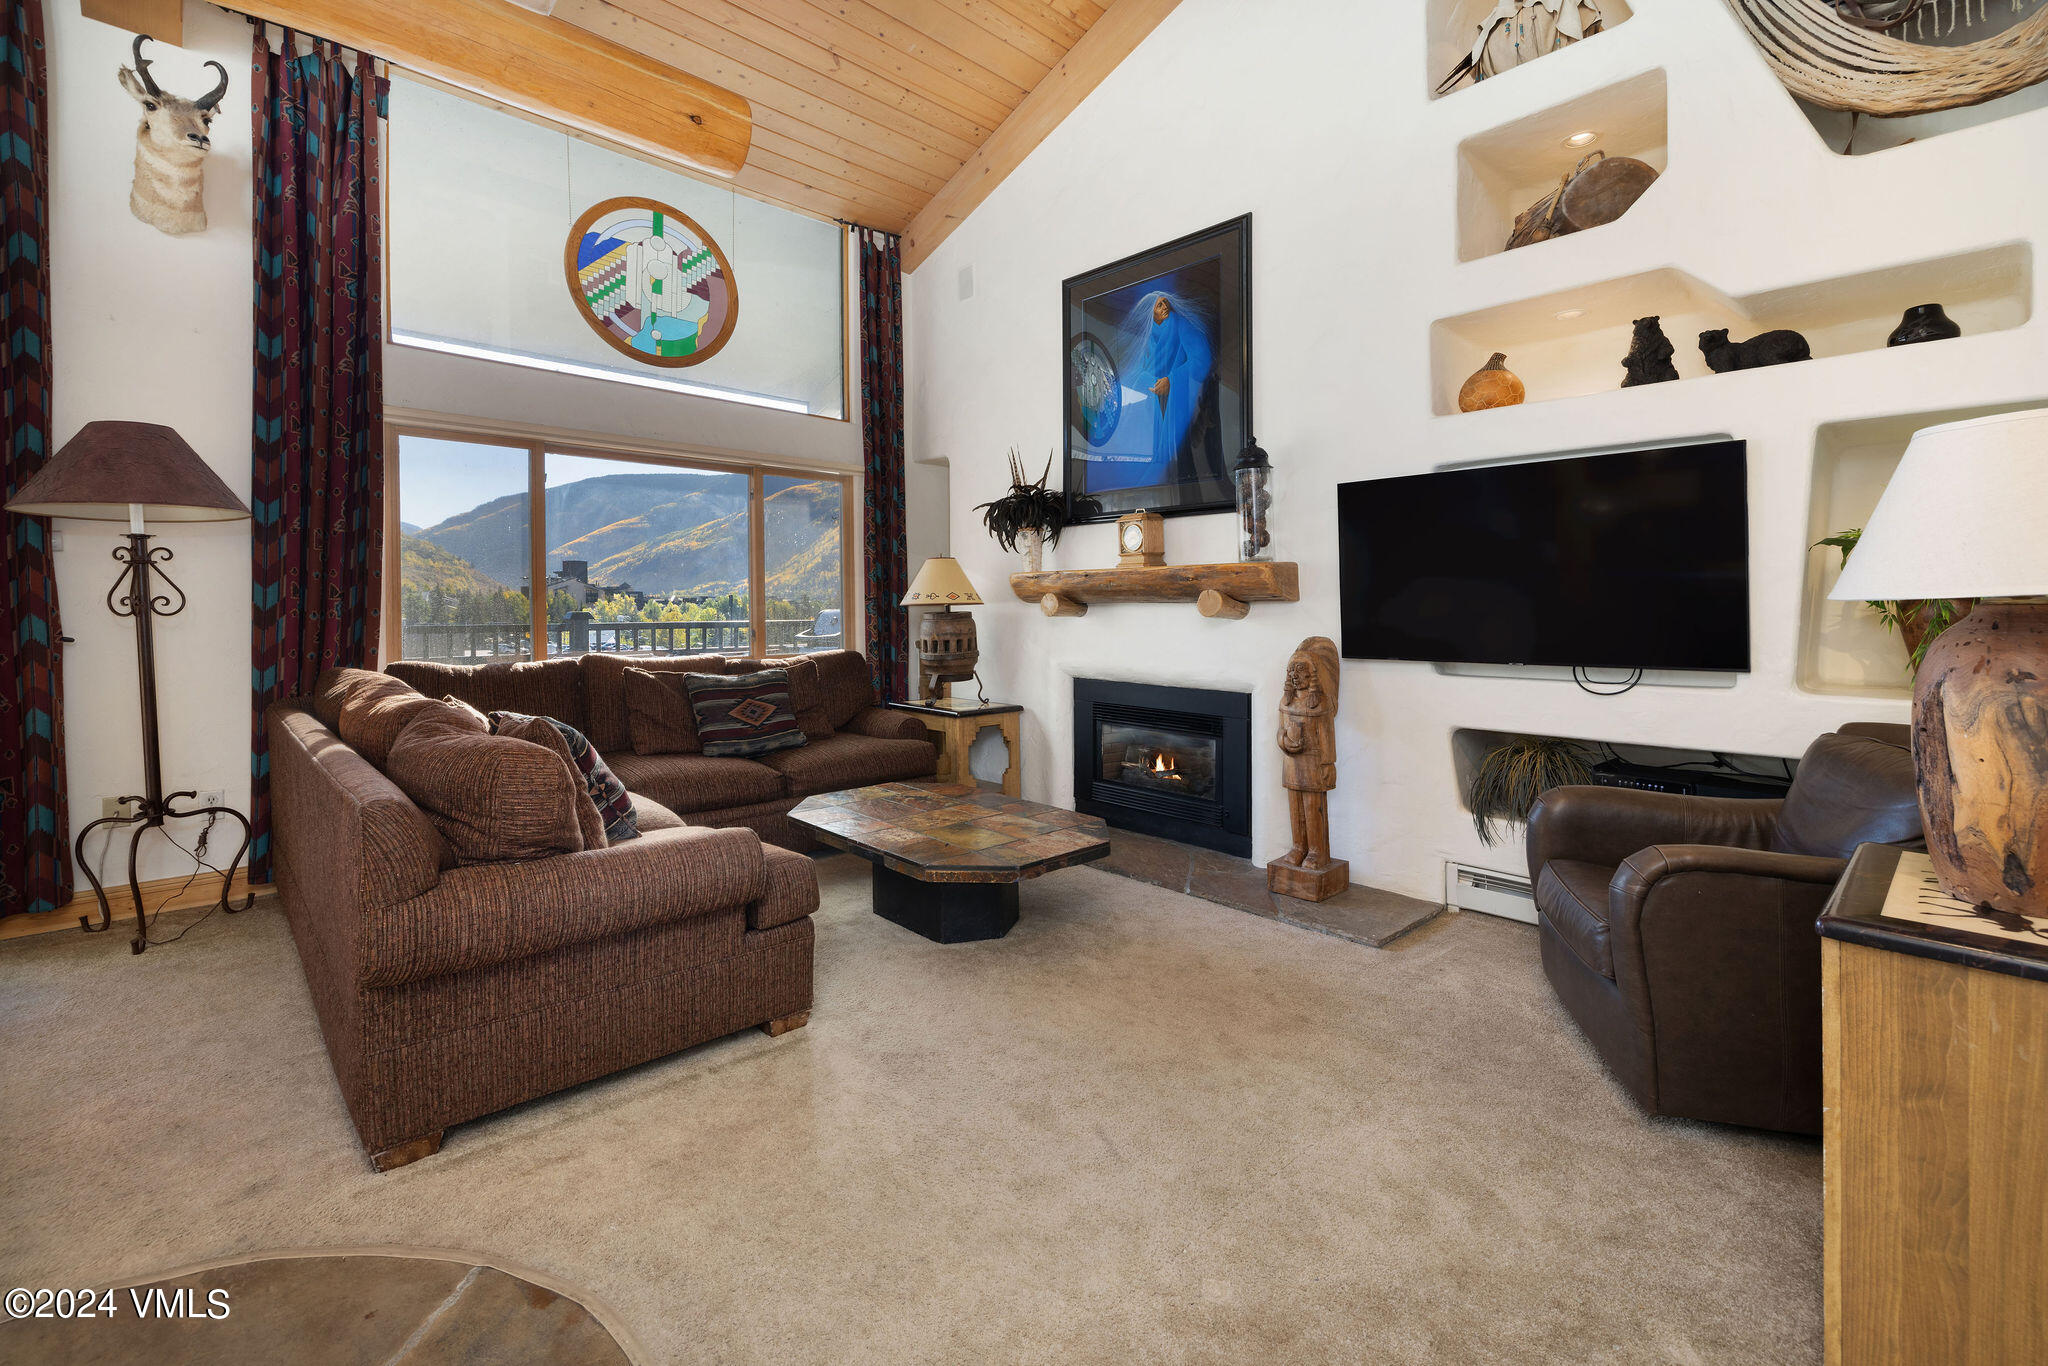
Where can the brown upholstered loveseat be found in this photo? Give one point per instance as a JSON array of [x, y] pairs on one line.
[[447, 992]]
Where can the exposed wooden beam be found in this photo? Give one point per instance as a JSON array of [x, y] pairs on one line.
[[163, 20], [1123, 25], [541, 65]]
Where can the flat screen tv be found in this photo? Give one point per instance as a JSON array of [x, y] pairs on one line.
[[1627, 561]]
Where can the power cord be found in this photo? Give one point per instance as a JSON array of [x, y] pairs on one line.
[[199, 864], [197, 853], [1580, 677]]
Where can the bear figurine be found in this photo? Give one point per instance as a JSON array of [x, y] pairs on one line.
[[1649, 355], [1768, 348]]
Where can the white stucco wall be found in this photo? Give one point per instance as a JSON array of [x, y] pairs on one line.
[[1313, 115], [153, 328]]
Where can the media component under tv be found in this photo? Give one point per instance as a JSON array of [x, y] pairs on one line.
[[1636, 560]]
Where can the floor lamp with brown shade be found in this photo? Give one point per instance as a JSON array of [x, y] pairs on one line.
[[138, 472]]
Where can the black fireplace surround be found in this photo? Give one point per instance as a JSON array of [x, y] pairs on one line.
[[1173, 762]]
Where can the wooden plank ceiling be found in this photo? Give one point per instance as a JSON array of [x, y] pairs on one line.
[[885, 112]]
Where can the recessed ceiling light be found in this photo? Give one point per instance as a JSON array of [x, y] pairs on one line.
[[1565, 315], [1582, 139]]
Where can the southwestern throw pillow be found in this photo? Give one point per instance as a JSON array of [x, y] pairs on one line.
[[613, 805], [743, 716]]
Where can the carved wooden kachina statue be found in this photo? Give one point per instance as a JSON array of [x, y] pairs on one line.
[[171, 145], [1308, 770]]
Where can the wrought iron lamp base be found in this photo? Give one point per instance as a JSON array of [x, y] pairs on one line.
[[150, 816], [141, 563]]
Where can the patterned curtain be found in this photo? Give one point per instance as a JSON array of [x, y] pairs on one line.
[[881, 417], [318, 490], [35, 856]]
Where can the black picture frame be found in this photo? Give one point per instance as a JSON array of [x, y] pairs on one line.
[[1133, 450]]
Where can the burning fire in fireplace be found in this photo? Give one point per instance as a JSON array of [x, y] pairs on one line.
[[1162, 763]]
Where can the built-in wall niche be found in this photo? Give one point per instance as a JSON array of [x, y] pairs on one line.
[[1570, 343], [1503, 171], [1454, 28], [1843, 648], [1470, 745]]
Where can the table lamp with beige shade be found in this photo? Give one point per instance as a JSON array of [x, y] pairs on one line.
[[138, 472], [1966, 516], [947, 651]]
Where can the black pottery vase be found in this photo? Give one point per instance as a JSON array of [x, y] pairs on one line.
[[1923, 323]]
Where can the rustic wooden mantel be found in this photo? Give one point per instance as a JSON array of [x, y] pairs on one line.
[[1217, 590]]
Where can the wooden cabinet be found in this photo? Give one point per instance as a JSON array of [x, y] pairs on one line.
[[1936, 1130]]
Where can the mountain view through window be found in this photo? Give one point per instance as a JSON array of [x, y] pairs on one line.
[[639, 557]]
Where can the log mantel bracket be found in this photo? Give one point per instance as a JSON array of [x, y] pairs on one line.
[[1221, 591]]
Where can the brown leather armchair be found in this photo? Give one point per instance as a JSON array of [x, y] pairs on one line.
[[1679, 931]]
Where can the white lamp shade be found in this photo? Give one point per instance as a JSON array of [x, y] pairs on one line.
[[1964, 516], [941, 583]]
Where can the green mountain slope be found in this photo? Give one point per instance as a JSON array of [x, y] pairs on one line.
[[426, 566], [493, 535], [801, 553], [661, 532]]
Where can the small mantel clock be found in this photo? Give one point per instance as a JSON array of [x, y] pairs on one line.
[[1140, 540]]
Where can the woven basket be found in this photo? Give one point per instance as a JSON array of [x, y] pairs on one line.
[[1827, 61]]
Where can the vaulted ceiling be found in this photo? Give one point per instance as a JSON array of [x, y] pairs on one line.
[[897, 114]]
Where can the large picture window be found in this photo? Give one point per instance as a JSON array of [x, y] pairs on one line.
[[635, 554]]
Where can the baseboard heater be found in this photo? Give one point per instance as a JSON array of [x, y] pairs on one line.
[[1482, 889]]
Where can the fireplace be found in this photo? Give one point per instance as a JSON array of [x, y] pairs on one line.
[[1174, 762]]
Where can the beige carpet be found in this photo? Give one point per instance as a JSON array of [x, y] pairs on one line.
[[1141, 1128]]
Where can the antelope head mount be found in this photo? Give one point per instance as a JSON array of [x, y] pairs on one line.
[[171, 144]]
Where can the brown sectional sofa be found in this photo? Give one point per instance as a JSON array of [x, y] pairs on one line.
[[869, 744], [447, 991]]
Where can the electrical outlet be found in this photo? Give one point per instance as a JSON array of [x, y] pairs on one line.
[[111, 807], [213, 796]]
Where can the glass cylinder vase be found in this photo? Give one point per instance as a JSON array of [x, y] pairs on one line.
[[1253, 476]]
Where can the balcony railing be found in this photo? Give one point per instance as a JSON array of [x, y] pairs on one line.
[[484, 642]]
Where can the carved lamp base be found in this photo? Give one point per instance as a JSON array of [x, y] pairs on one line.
[[1980, 740], [1308, 884]]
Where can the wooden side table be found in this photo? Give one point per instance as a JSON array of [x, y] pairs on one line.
[[1936, 1161], [954, 725]]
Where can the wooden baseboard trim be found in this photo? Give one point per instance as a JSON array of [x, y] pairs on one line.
[[159, 895]]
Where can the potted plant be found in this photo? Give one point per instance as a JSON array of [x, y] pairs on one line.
[[1028, 518], [1512, 776], [1919, 621]]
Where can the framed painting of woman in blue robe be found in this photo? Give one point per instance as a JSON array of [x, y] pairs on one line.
[[1158, 377]]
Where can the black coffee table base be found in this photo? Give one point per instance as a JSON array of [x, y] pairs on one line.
[[946, 912]]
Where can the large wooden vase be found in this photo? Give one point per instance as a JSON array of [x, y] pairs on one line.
[[1980, 740]]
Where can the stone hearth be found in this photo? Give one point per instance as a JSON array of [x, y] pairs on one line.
[[1364, 915]]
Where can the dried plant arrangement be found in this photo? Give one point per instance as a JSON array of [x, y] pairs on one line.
[[1028, 517], [1512, 776]]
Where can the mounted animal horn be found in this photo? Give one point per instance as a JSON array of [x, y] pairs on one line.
[[171, 144], [212, 97], [142, 65]]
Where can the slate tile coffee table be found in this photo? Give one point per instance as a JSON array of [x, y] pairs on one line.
[[947, 858]]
